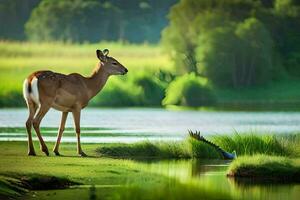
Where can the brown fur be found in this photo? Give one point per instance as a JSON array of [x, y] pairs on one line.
[[67, 93]]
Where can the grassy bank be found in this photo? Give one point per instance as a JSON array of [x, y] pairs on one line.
[[242, 144], [266, 168], [189, 148], [87, 171], [110, 178], [100, 177]]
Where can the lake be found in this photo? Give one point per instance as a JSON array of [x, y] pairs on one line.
[[102, 125]]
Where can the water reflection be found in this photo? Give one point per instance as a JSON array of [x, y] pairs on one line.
[[212, 175]]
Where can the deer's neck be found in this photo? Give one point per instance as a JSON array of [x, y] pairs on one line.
[[97, 80]]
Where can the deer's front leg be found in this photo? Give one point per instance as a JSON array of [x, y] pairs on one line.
[[76, 116]]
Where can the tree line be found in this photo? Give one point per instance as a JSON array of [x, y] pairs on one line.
[[134, 21]]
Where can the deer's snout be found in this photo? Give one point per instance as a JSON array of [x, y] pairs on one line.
[[125, 71]]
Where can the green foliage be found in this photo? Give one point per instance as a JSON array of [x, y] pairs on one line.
[[67, 20], [153, 89], [189, 19], [250, 144], [11, 98], [140, 89], [189, 90], [94, 20], [265, 167], [231, 42], [13, 16], [236, 56], [118, 93]]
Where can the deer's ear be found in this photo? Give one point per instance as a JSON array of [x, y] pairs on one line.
[[105, 52], [100, 55]]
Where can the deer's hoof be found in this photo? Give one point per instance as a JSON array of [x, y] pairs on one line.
[[56, 153], [82, 154], [46, 151], [31, 153]]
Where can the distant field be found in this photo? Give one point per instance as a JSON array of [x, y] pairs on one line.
[[19, 59]]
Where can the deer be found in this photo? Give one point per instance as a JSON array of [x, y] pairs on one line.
[[46, 89]]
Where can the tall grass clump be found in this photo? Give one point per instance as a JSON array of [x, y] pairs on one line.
[[250, 144], [189, 148], [265, 167], [189, 90]]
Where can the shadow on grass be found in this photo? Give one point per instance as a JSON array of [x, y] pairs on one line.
[[13, 185]]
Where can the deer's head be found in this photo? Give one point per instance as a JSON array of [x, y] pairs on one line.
[[109, 64]]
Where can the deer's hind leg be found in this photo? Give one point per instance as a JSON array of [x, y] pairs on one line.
[[44, 108], [32, 107]]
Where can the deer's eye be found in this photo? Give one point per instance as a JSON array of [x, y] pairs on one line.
[[114, 63]]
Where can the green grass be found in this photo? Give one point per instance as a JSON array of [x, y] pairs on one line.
[[265, 167], [189, 148], [87, 171], [255, 143]]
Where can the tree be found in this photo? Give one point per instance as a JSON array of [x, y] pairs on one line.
[[13, 16], [238, 55], [190, 18], [67, 20]]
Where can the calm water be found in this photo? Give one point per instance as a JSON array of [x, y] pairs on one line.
[[134, 124], [212, 175], [208, 175]]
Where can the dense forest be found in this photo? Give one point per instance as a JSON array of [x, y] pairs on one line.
[[235, 43], [135, 21]]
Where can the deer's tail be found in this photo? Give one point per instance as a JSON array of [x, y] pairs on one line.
[[31, 91]]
